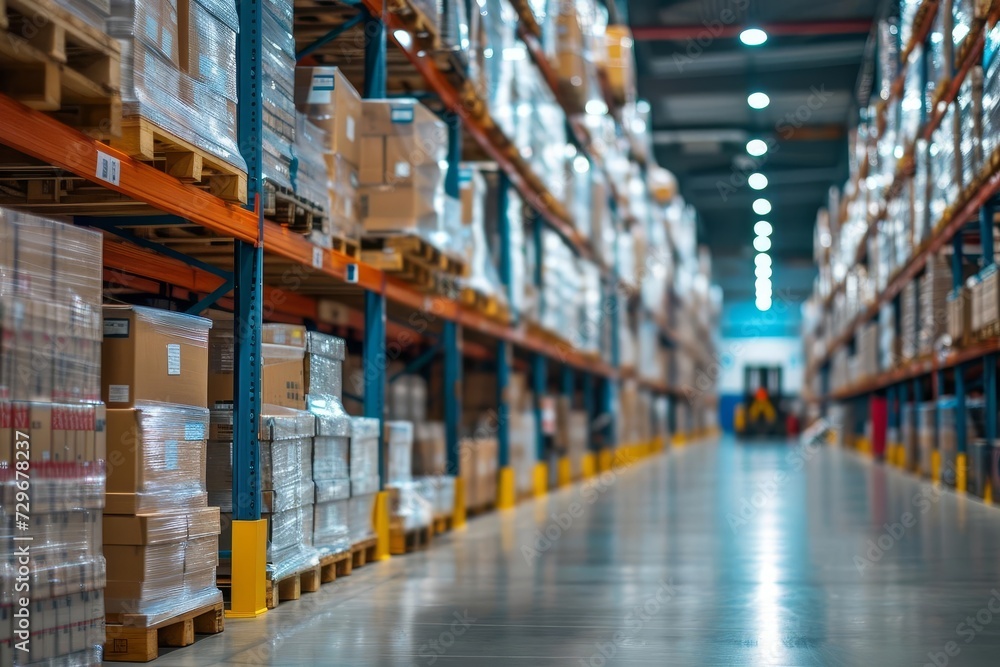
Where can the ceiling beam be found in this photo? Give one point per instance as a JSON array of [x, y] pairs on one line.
[[829, 132], [721, 31]]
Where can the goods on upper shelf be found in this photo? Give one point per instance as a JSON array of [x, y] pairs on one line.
[[918, 157]]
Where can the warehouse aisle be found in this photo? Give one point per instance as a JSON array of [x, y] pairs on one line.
[[719, 554]]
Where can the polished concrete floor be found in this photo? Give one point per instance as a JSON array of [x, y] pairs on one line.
[[717, 554]]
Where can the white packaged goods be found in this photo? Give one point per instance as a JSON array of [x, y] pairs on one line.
[[399, 448], [969, 126]]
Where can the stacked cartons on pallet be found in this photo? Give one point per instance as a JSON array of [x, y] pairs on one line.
[[365, 480], [160, 537], [179, 70], [52, 443], [934, 287]]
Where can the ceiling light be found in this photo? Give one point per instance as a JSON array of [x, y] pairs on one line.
[[756, 147], [596, 108], [763, 259], [581, 164], [758, 100], [570, 151], [762, 228], [761, 207], [764, 304], [753, 36], [642, 106], [762, 244], [402, 38], [762, 271], [757, 181], [763, 285]]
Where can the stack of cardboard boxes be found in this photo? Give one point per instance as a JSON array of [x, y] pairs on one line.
[[330, 102], [179, 70], [52, 442], [403, 145], [160, 534], [411, 501], [331, 445], [365, 480]]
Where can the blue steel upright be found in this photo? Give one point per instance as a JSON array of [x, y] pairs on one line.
[[452, 344]]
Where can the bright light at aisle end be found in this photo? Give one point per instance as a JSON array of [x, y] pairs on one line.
[[762, 244], [757, 181], [753, 36], [763, 259], [761, 206], [762, 228], [581, 164], [763, 303], [758, 100], [756, 147], [762, 271]]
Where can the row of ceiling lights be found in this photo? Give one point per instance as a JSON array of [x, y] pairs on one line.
[[757, 181]]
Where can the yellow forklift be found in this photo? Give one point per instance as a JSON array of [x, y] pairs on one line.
[[760, 415]]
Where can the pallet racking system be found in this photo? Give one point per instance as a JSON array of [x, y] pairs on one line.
[[964, 365], [259, 270]]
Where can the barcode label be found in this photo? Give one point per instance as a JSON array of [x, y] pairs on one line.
[[317, 258], [108, 168]]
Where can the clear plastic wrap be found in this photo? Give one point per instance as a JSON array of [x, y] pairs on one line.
[[309, 177], [199, 107], [408, 508], [53, 642], [991, 95], [921, 190], [50, 304], [364, 449], [912, 110], [157, 451], [888, 55], [963, 12], [361, 520], [938, 55], [290, 548], [941, 158], [934, 287], [399, 445], [331, 526], [324, 366], [907, 15], [331, 457], [969, 125]]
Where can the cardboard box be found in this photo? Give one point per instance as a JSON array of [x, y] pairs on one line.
[[201, 554], [330, 101], [143, 562], [156, 449], [154, 355], [145, 529], [145, 503], [372, 170], [407, 162], [283, 378], [388, 208], [284, 334]]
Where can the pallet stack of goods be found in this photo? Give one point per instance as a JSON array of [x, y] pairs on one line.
[[365, 480], [160, 537], [328, 100], [52, 442], [331, 445], [179, 82], [411, 501]]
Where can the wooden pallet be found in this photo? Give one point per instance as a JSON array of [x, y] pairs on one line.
[[143, 140], [52, 61], [363, 553], [335, 565], [443, 523], [292, 586], [127, 642], [403, 541], [346, 246], [479, 509], [290, 210], [424, 29], [397, 246]]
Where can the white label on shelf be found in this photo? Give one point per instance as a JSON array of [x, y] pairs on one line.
[[173, 359], [194, 431], [317, 258], [350, 128], [118, 393], [170, 455], [116, 328], [109, 168], [324, 82]]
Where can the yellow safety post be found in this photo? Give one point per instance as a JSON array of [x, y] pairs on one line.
[[679, 440], [988, 493], [541, 479], [506, 490], [564, 472], [961, 473], [588, 465], [458, 516], [380, 519], [935, 466], [249, 569], [604, 460]]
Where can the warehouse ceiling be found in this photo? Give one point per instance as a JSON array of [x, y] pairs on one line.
[[696, 74]]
